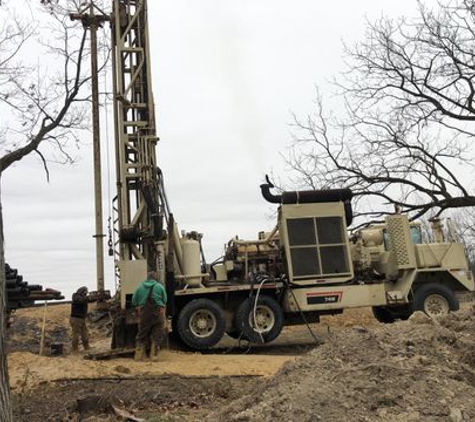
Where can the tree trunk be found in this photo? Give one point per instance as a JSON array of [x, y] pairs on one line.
[[5, 404]]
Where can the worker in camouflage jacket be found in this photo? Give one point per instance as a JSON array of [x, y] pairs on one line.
[[78, 319], [150, 300]]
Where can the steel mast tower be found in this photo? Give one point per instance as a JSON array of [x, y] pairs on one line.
[[141, 203]]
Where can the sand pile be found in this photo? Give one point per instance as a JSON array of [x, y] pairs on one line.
[[418, 370]]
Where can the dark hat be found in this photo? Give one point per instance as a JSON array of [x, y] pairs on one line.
[[82, 290]]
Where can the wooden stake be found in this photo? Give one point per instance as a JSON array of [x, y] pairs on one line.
[[42, 341]]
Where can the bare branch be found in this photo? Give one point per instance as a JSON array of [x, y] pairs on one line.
[[406, 133]]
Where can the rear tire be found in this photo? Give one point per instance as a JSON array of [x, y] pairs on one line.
[[390, 314], [435, 299], [269, 320], [201, 324], [383, 314]]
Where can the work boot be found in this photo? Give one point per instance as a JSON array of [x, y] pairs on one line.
[[139, 353], [154, 351], [86, 345]]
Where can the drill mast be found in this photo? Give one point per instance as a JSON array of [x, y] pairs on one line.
[[141, 203]]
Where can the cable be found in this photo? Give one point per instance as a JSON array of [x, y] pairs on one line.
[[318, 342], [239, 339], [258, 331], [254, 327], [110, 208]]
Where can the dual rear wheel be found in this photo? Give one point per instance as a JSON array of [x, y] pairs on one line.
[[201, 323]]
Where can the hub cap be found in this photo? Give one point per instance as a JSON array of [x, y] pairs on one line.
[[202, 323], [436, 305], [264, 320]]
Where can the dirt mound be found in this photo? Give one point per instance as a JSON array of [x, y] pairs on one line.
[[418, 370]]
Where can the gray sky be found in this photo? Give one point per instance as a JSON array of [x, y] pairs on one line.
[[227, 77]]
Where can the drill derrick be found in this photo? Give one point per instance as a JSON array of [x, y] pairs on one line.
[[140, 200]]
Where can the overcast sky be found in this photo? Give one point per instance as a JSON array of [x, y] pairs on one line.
[[227, 77]]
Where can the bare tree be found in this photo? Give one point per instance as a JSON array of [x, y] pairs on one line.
[[461, 225], [42, 106], [405, 135]]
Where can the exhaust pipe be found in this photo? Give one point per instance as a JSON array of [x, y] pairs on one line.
[[310, 197], [268, 196]]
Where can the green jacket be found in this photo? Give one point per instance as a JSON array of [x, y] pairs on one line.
[[159, 294]]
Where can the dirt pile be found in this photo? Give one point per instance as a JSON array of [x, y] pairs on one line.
[[418, 370]]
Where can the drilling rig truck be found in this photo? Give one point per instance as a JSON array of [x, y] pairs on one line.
[[307, 266]]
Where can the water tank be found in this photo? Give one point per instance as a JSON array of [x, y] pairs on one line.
[[372, 237], [191, 261]]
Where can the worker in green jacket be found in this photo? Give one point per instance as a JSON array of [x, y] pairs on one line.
[[150, 300]]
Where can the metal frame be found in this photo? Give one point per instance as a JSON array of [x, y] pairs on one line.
[[140, 208]]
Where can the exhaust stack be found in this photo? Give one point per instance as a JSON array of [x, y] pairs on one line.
[[310, 197]]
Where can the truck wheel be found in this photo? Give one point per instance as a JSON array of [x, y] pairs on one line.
[[403, 312], [201, 324], [435, 299], [383, 314], [268, 323], [388, 315]]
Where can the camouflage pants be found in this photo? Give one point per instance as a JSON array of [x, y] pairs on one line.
[[151, 329], [79, 330]]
